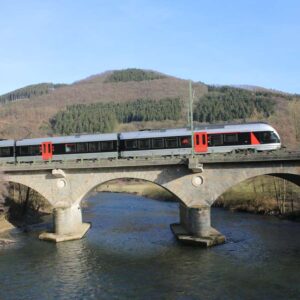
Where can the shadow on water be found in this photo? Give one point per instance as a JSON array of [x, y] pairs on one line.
[[130, 253]]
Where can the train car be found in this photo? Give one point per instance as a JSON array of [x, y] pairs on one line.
[[147, 143], [7, 151], [207, 139], [228, 138], [155, 143], [77, 147]]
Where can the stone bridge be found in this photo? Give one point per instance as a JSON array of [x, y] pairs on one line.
[[196, 181]]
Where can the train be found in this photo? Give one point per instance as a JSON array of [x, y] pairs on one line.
[[206, 139]]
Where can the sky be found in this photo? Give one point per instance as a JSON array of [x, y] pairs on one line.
[[253, 42]]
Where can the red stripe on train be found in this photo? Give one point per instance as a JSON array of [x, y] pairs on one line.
[[254, 140]]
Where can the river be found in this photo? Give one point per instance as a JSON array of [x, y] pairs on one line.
[[130, 253]]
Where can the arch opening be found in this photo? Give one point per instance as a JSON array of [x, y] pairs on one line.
[[126, 210], [136, 186], [271, 194], [24, 205]]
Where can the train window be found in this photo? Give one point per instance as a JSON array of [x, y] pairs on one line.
[[216, 140], [107, 146], [70, 148], [157, 143], [81, 147], [197, 139], [144, 144], [171, 142], [5, 152], [24, 150], [203, 139], [185, 142], [266, 137], [230, 138], [59, 149], [34, 150], [131, 144], [244, 138], [274, 137], [94, 147]]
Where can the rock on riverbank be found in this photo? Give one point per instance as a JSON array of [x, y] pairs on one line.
[[5, 225]]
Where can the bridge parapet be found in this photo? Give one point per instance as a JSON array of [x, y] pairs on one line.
[[194, 162]]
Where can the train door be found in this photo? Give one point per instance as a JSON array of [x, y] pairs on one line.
[[200, 142], [47, 150]]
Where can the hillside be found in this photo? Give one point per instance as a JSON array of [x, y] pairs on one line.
[[111, 93], [30, 91], [31, 117]]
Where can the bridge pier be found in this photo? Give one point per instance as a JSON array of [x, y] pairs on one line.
[[68, 225], [195, 227]]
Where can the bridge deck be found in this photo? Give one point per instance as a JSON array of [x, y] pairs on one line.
[[155, 161]]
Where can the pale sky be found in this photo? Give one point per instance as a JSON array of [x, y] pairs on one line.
[[214, 41]]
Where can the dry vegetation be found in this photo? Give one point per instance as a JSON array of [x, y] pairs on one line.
[[264, 195], [26, 206], [3, 193]]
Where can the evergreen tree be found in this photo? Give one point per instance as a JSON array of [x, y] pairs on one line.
[[103, 117]]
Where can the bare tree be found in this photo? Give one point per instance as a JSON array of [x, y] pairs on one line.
[[3, 193], [280, 189], [24, 200]]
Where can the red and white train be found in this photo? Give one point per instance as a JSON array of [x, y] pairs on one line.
[[147, 143]]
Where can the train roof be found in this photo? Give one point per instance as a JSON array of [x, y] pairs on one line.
[[70, 139], [236, 127], [7, 143], [154, 133], [224, 125]]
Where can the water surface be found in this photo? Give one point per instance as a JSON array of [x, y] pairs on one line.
[[130, 253]]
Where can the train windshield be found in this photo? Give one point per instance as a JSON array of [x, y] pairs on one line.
[[267, 137]]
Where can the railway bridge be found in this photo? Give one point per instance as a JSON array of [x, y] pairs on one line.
[[197, 181]]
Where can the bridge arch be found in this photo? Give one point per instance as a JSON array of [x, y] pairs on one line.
[[31, 186], [290, 177], [24, 204], [130, 179], [27, 182], [294, 178]]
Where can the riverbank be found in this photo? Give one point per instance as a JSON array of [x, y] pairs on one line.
[[137, 187], [5, 225]]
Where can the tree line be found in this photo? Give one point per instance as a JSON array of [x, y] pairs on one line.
[[29, 92], [218, 105], [228, 104], [133, 75], [103, 117]]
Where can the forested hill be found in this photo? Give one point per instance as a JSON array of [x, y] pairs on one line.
[[105, 117], [133, 75], [218, 105], [30, 91], [135, 99]]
